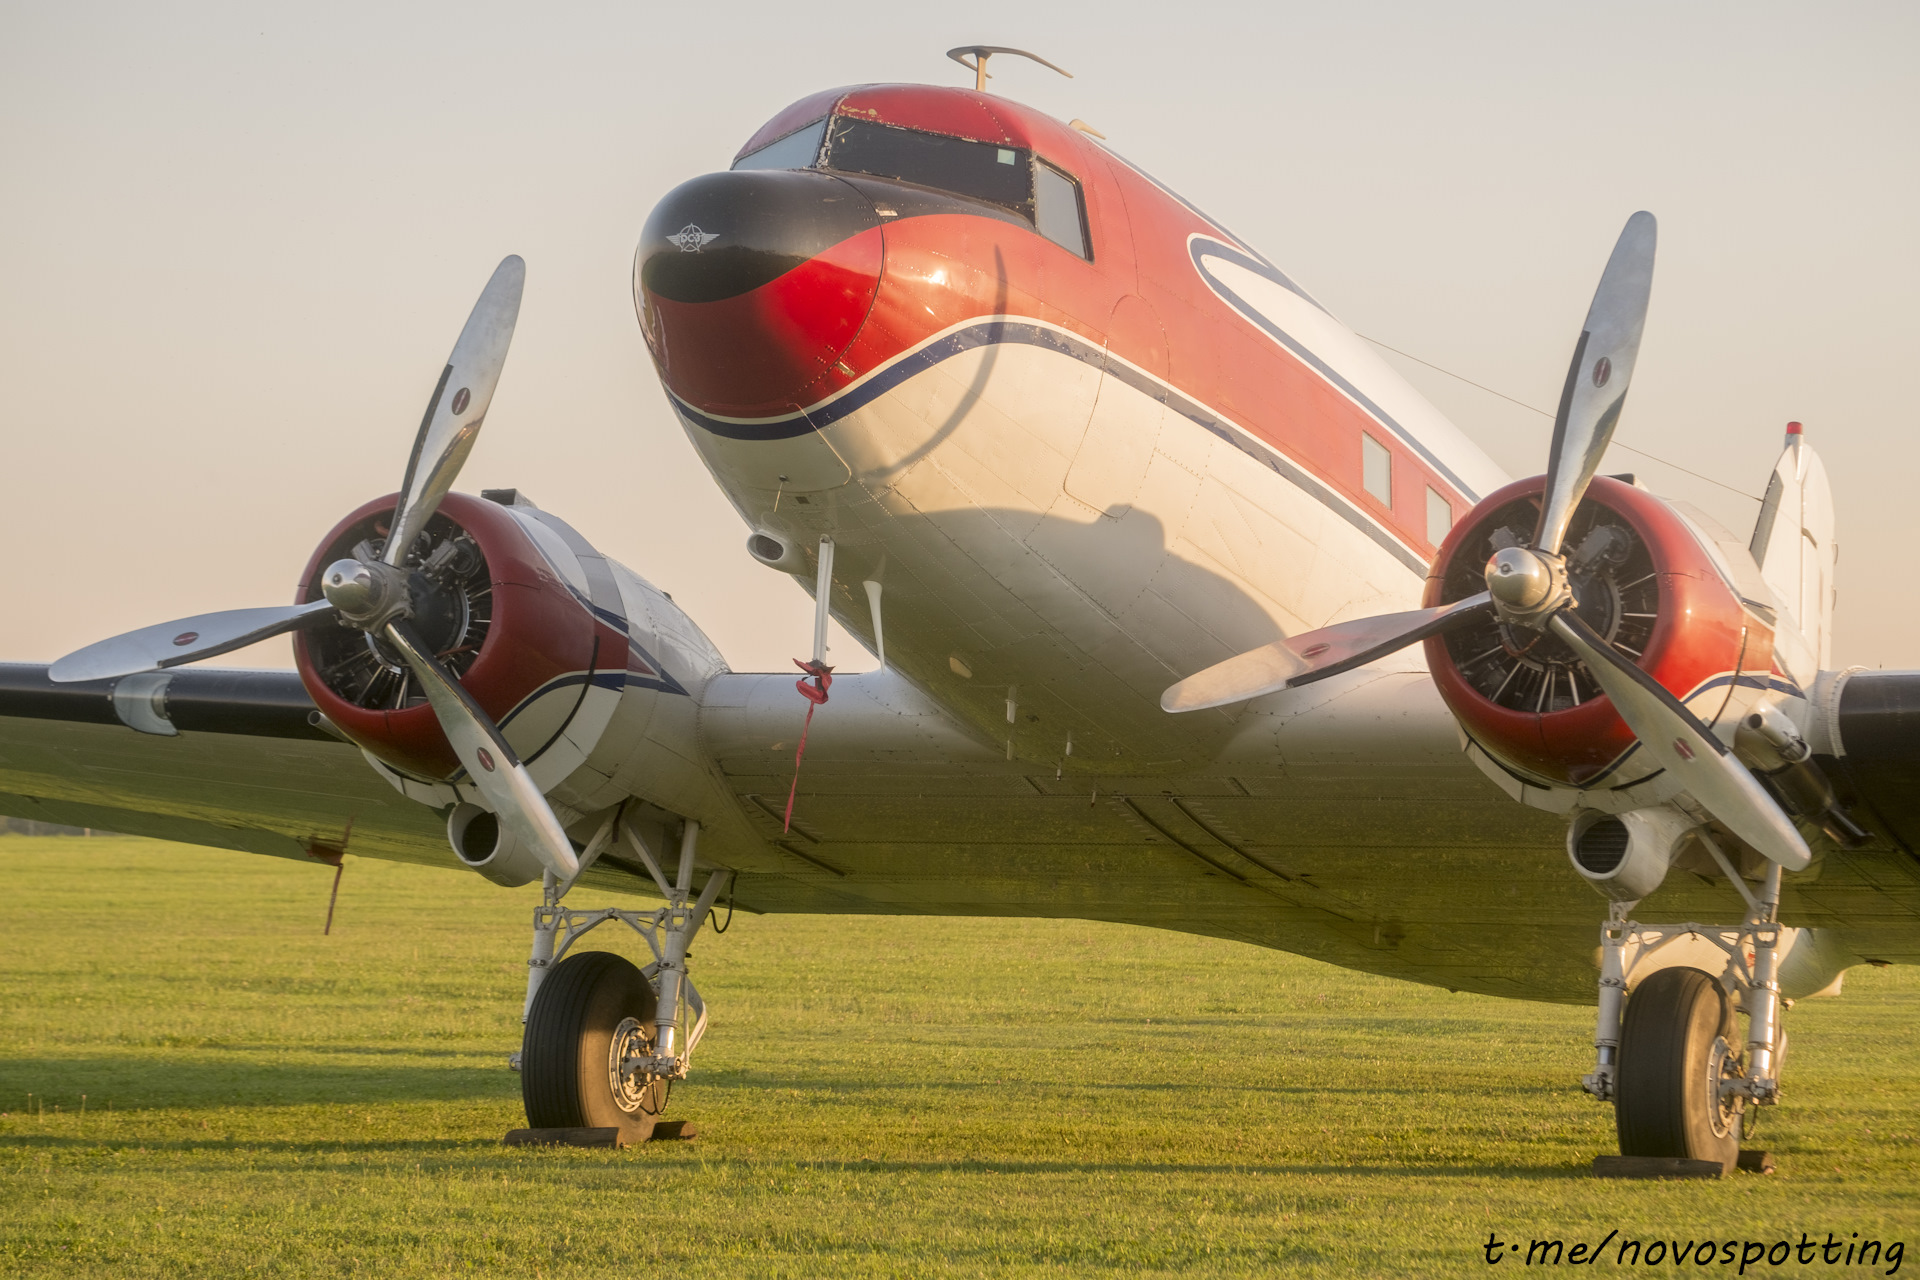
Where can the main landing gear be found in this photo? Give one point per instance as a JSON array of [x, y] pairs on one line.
[[1675, 1067], [605, 1039]]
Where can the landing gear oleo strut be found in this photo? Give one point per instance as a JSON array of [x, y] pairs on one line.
[[1669, 1057], [605, 1039]]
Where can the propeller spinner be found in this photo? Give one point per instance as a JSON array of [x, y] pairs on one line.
[[375, 596]]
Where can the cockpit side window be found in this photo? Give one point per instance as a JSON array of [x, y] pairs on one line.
[[798, 150], [979, 170], [1059, 212]]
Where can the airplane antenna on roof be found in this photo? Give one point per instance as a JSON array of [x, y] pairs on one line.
[[981, 52]]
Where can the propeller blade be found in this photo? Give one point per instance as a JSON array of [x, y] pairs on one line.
[[1315, 655], [1597, 379], [172, 644], [489, 761], [459, 405], [1686, 748]]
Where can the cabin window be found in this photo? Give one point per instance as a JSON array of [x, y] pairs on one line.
[[1376, 469], [978, 170], [798, 150], [1059, 212], [1439, 516]]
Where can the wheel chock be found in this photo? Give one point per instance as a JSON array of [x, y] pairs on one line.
[[1756, 1162], [665, 1131], [1655, 1167], [583, 1137]]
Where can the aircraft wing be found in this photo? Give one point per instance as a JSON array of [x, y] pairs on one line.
[[1346, 825], [245, 768]]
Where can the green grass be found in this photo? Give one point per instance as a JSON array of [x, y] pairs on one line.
[[877, 1097]]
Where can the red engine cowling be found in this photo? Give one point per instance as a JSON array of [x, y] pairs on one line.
[[1645, 582], [495, 609]]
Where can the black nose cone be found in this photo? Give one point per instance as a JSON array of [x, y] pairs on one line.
[[726, 234]]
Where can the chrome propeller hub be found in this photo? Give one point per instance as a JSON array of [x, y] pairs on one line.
[[367, 595], [348, 584], [1527, 586]]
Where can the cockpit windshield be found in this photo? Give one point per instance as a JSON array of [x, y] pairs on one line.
[[798, 150], [1045, 198], [979, 170]]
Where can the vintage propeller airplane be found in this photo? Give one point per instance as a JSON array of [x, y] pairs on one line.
[[1143, 539]]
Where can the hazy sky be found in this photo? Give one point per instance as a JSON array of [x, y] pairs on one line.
[[238, 241]]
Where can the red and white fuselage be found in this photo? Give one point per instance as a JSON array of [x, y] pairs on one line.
[[1081, 466]]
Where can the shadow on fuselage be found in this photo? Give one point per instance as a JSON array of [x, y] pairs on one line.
[[1079, 624]]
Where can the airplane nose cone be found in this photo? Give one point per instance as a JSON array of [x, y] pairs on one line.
[[751, 285]]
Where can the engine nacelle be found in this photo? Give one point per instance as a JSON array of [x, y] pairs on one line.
[[1647, 582], [510, 609]]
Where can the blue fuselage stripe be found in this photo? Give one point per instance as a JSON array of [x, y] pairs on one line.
[[993, 332]]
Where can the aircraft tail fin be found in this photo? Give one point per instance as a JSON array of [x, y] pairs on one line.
[[1793, 543]]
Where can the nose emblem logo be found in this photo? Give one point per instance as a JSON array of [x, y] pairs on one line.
[[691, 238]]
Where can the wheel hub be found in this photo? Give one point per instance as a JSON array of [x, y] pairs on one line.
[[632, 1089], [1725, 1074]]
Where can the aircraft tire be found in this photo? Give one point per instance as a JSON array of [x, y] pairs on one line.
[[1676, 1043], [567, 1065]]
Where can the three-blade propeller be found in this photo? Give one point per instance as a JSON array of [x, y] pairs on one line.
[[1315, 655], [1527, 586], [375, 597]]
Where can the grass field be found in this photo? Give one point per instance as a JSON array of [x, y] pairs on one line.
[[196, 1082]]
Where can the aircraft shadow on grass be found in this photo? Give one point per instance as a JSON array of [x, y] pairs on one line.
[[245, 1076], [723, 1080], [445, 1147], [458, 1154], [1174, 1167]]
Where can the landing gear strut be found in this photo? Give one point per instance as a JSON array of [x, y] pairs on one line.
[[1679, 1076], [605, 1040]]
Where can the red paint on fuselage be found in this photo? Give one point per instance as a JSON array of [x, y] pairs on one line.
[[942, 270], [804, 320]]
